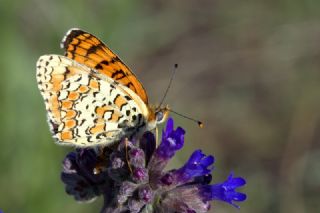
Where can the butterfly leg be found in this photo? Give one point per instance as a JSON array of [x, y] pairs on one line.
[[101, 164], [157, 137], [103, 153], [127, 155]]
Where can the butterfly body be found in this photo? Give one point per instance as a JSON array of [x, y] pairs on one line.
[[91, 97]]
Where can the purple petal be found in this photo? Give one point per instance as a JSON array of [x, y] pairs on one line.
[[224, 191], [172, 141], [198, 165]]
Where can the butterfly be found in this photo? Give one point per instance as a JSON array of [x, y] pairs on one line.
[[91, 97]]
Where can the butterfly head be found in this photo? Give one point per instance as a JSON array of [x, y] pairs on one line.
[[157, 115], [161, 114]]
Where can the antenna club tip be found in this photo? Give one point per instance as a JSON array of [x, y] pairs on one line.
[[175, 65], [201, 125]]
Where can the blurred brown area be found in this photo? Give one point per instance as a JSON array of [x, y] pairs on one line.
[[250, 70]]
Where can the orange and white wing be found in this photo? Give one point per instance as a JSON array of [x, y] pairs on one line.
[[87, 49], [84, 107]]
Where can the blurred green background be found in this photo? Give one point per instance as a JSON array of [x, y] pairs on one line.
[[249, 69]]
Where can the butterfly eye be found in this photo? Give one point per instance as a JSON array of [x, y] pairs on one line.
[[159, 116]]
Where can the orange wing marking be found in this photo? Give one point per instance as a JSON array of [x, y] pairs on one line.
[[89, 50]]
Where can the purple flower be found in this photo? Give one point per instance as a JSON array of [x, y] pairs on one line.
[[78, 175], [148, 145], [172, 141], [196, 166], [140, 174], [132, 177], [146, 194], [224, 191]]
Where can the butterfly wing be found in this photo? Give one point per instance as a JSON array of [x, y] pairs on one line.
[[85, 48], [84, 107]]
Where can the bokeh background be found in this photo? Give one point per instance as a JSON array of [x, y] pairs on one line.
[[250, 70]]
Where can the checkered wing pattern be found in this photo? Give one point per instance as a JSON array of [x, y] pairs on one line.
[[86, 107]]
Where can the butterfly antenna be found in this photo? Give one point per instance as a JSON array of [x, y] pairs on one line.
[[200, 124], [169, 85]]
